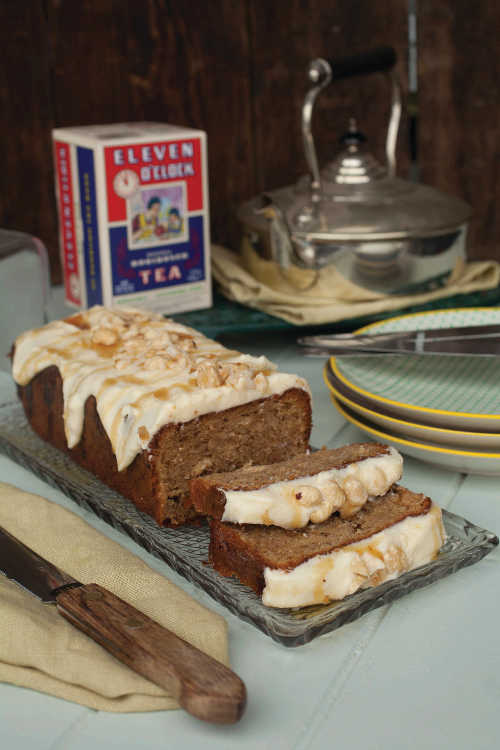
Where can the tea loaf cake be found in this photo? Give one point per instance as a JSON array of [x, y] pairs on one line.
[[327, 561], [146, 404], [300, 490]]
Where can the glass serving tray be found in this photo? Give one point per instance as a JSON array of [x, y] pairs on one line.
[[186, 549]]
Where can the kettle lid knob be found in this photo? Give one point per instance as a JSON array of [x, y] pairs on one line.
[[353, 136]]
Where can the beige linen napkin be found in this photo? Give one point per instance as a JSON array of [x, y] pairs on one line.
[[259, 283], [41, 650]]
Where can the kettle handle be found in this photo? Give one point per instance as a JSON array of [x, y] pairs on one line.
[[321, 72]]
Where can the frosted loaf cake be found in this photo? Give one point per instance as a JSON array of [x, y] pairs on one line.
[[147, 404]]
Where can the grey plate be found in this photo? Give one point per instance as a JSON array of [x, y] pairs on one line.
[[186, 549]]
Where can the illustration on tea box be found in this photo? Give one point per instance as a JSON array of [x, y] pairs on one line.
[[157, 215]]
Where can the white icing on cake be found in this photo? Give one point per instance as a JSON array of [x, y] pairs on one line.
[[381, 557], [144, 371], [293, 504]]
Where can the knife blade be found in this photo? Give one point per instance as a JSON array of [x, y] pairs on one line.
[[203, 686], [467, 340]]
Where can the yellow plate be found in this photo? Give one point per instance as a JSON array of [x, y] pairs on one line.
[[489, 441], [470, 462], [460, 393]]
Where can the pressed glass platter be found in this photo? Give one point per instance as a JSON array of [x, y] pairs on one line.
[[186, 549]]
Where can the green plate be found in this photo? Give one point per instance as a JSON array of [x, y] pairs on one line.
[[452, 392], [454, 459]]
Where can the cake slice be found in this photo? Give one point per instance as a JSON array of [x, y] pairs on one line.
[[300, 490], [328, 561]]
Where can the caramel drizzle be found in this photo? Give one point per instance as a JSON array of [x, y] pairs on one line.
[[77, 384], [129, 379], [322, 568], [106, 351], [163, 394], [160, 394], [77, 341], [372, 551], [25, 372], [143, 433], [64, 355]]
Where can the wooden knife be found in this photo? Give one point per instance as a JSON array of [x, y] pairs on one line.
[[203, 686]]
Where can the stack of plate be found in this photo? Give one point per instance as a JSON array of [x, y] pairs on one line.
[[437, 408]]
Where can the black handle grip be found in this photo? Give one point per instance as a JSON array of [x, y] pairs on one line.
[[377, 60]]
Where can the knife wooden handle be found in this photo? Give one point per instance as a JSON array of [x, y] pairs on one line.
[[203, 686]]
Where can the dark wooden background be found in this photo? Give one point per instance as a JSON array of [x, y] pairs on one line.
[[237, 70]]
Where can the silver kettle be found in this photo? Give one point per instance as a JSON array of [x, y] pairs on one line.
[[380, 231]]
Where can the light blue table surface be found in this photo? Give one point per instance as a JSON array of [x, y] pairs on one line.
[[423, 672]]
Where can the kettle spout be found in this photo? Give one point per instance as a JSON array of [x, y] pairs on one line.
[[280, 238], [284, 251]]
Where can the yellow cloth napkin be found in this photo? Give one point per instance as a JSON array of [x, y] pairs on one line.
[[259, 283], [41, 650]]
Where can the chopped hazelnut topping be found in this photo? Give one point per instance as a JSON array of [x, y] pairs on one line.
[[159, 340], [121, 363], [158, 344], [260, 381], [133, 344], [208, 376], [113, 321], [323, 511], [77, 320], [235, 374], [360, 568], [224, 371], [132, 331], [106, 336], [356, 494], [187, 344], [307, 495], [155, 363], [332, 491], [377, 577], [173, 352], [395, 559], [378, 480]]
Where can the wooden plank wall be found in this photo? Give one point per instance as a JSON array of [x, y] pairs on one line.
[[236, 68]]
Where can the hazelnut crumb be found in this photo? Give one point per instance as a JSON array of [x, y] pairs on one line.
[[106, 336]]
